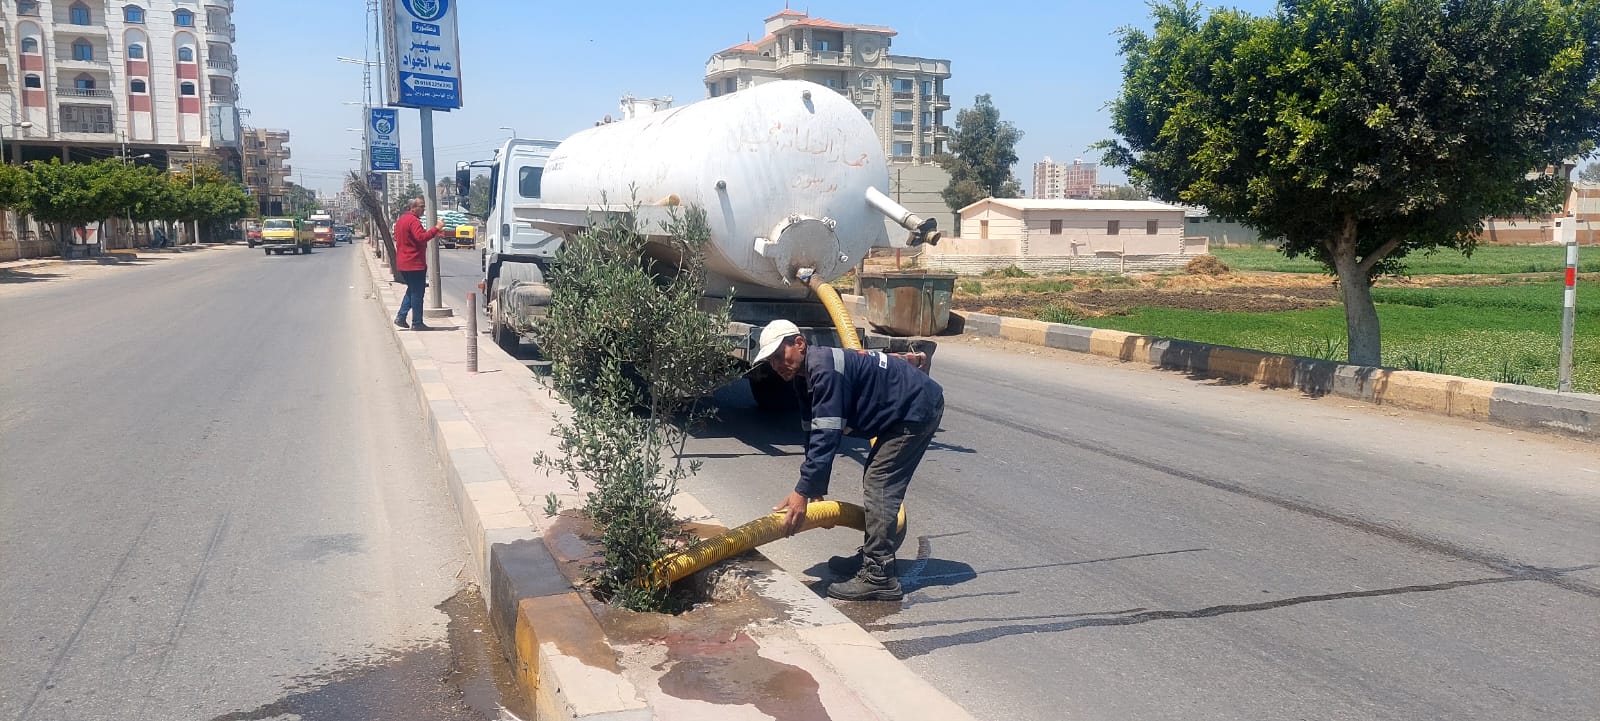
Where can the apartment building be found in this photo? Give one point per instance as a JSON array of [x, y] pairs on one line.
[[86, 79], [902, 96], [266, 168], [1062, 181]]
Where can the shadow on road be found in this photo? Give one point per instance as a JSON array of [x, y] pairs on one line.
[[10, 277]]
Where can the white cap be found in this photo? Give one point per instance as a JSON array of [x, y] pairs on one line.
[[772, 338]]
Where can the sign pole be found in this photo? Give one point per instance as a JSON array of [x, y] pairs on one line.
[[1567, 232], [435, 307]]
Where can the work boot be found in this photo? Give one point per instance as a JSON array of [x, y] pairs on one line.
[[419, 326], [843, 567], [872, 583], [401, 322]]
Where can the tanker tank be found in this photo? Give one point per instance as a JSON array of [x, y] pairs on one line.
[[789, 173]]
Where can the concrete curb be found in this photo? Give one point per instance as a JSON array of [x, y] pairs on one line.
[[560, 653], [1575, 414]]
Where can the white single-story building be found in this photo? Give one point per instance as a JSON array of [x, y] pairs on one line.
[[1054, 235]]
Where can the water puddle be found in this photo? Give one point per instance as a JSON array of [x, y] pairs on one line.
[[464, 679]]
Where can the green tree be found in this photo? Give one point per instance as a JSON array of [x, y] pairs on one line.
[[982, 151], [68, 196], [1590, 173], [16, 188], [1360, 131], [630, 348], [399, 202]]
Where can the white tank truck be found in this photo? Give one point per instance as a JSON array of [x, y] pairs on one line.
[[791, 177]]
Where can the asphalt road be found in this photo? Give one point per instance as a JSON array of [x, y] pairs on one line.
[[1103, 541], [219, 501], [1095, 541]]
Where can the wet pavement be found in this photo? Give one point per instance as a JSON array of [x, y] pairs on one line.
[[466, 679]]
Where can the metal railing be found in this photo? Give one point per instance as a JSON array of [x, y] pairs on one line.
[[75, 92], [229, 64], [904, 126], [66, 55], [903, 95]]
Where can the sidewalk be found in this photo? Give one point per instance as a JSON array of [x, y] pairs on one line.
[[778, 651]]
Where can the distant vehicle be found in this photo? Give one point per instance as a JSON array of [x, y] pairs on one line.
[[344, 233], [285, 235], [322, 229], [252, 233], [466, 236]]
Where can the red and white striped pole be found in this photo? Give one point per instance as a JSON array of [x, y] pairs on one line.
[[1567, 233]]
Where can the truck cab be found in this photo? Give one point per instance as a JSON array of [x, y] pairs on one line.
[[514, 252], [322, 229], [285, 235]]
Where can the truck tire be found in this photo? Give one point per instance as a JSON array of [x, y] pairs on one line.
[[266, 251], [772, 393], [504, 335]]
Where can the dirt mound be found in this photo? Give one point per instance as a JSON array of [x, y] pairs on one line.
[[1206, 265]]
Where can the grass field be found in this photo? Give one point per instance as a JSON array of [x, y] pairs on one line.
[[1488, 260], [1507, 333]]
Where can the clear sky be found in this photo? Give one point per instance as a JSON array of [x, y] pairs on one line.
[[550, 68]]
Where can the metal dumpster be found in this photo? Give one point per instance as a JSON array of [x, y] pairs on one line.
[[907, 303]]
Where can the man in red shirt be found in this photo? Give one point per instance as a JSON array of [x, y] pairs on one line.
[[411, 259]]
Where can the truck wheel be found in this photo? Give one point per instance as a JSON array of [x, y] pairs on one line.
[[266, 251], [251, 243], [504, 335], [773, 393]]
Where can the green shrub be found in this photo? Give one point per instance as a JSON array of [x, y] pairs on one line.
[[1425, 362], [630, 349], [1332, 349], [970, 287], [1010, 271], [1061, 313]]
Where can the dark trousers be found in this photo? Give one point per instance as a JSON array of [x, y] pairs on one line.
[[416, 281], [889, 469]]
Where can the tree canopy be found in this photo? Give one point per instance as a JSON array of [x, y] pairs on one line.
[[1360, 131], [982, 151]]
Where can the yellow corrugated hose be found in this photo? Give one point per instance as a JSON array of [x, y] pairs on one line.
[[768, 528]]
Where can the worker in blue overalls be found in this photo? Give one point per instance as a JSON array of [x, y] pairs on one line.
[[867, 395]]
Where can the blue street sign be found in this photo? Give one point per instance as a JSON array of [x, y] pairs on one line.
[[424, 56]]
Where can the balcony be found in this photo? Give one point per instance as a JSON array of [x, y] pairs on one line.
[[939, 100], [732, 63], [906, 95], [222, 66], [904, 126], [77, 93], [220, 33], [65, 60], [224, 4]]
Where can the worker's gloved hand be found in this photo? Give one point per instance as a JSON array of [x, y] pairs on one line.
[[794, 508]]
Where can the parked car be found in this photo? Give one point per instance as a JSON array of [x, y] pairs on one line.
[[252, 233]]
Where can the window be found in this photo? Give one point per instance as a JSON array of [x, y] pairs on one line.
[[186, 89], [867, 82], [927, 88], [927, 118], [85, 119], [27, 7], [82, 50], [32, 81], [183, 19], [824, 46], [137, 86], [834, 83], [902, 149], [1055, 227], [1113, 227], [902, 117], [30, 46], [868, 113], [133, 14], [730, 85], [78, 14], [983, 230], [902, 85], [136, 52], [1151, 226], [83, 82], [185, 54], [528, 182], [714, 89]]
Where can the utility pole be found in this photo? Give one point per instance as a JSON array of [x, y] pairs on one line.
[[435, 307]]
